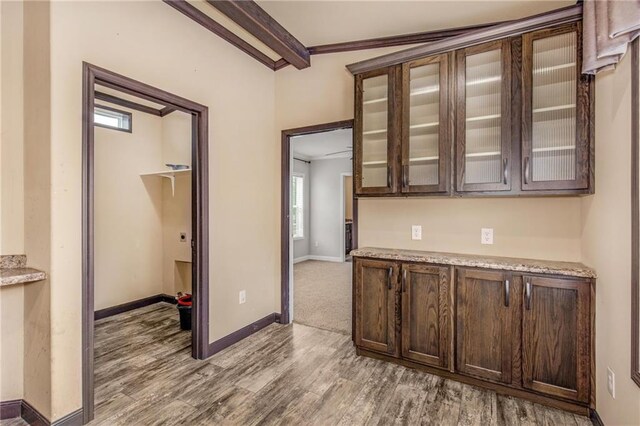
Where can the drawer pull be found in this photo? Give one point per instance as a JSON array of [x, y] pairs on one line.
[[527, 295], [404, 281], [526, 170], [389, 176], [505, 171], [389, 275], [507, 293]]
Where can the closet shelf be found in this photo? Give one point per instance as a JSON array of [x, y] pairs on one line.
[[169, 174]]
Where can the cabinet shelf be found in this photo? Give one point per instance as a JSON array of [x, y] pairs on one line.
[[424, 125], [169, 174], [555, 148], [483, 154], [483, 117], [554, 108], [375, 163], [423, 159], [375, 132]]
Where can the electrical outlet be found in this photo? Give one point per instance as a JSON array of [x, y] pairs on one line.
[[416, 232], [611, 382], [183, 237], [486, 236], [243, 296]]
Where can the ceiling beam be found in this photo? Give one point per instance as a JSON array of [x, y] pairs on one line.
[[105, 97], [261, 25], [206, 21]]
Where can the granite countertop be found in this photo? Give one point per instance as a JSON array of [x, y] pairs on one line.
[[572, 269], [13, 270]]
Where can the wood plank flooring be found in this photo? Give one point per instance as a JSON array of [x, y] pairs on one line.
[[282, 375]]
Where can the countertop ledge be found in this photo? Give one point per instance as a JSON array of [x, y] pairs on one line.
[[572, 269], [12, 276]]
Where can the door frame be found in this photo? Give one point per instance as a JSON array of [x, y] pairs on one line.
[[92, 75], [343, 216], [285, 208]]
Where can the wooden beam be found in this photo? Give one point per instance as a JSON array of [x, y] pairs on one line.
[[260, 24], [472, 38], [397, 40], [105, 97], [206, 21]]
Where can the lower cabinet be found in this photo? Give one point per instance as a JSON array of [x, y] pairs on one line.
[[527, 332], [483, 321], [556, 337], [425, 314], [376, 297]]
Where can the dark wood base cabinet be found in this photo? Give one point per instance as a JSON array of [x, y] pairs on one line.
[[526, 335]]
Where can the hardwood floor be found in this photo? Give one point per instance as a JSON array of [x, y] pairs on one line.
[[285, 375]]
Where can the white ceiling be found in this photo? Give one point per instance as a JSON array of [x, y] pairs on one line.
[[316, 146], [316, 22]]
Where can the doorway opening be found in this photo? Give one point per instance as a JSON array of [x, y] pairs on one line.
[[144, 230], [319, 225]]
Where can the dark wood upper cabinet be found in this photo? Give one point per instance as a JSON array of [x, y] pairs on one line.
[[483, 117], [377, 132], [556, 337], [483, 326], [511, 117], [555, 111], [426, 144], [425, 314], [376, 290]]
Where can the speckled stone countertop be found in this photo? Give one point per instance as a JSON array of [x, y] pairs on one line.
[[13, 270], [572, 269]]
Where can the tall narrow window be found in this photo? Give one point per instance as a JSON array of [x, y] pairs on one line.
[[112, 118], [297, 205]]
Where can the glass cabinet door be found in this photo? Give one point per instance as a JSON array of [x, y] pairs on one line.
[[483, 117], [375, 132], [425, 133], [555, 149]]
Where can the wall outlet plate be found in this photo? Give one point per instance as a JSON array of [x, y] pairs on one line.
[[416, 232], [611, 382], [242, 298], [486, 236]]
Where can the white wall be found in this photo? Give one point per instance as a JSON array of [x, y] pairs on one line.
[[606, 245], [327, 226], [301, 247], [128, 212]]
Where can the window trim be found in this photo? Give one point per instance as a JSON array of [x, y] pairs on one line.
[[293, 236], [119, 111]]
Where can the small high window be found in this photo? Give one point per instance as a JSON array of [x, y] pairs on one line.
[[112, 118]]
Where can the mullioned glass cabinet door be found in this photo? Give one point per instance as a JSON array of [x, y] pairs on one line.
[[376, 132], [426, 146], [555, 137], [483, 117]]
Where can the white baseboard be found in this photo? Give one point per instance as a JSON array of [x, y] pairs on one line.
[[321, 258]]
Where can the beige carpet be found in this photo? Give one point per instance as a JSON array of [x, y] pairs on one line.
[[322, 295]]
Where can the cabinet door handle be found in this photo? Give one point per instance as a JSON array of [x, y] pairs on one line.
[[527, 295], [389, 275], [405, 176], [404, 281], [389, 176], [526, 170], [507, 293], [505, 172]]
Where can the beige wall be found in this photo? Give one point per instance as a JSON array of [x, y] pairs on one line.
[[348, 197], [176, 208], [128, 212], [193, 63], [39, 190], [606, 245], [11, 197]]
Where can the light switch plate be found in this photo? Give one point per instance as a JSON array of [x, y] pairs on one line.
[[242, 297], [416, 232], [611, 382], [486, 236]]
